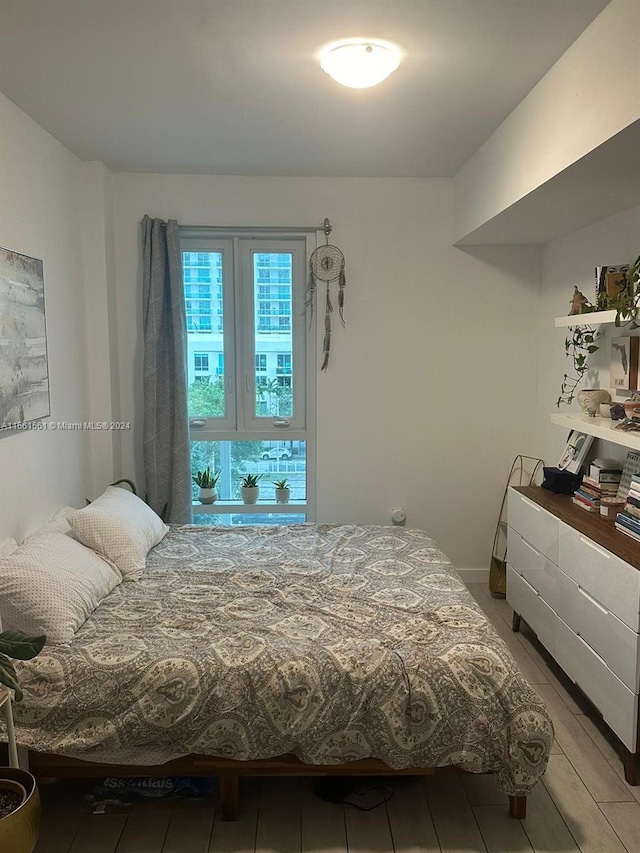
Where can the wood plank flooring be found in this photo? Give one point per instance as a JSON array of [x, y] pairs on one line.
[[583, 806]]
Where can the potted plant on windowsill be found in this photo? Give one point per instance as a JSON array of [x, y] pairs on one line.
[[19, 798], [283, 492], [250, 489], [206, 482]]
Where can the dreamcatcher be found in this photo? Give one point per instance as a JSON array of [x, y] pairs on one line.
[[326, 264]]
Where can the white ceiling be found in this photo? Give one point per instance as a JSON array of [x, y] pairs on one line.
[[233, 87]]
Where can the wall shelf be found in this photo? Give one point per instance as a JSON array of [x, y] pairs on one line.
[[231, 507], [599, 428], [595, 318]]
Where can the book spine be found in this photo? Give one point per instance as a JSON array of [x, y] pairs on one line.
[[584, 505], [627, 532]]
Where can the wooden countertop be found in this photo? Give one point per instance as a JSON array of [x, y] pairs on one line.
[[590, 524]]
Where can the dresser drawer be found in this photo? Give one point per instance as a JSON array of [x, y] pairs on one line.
[[611, 581], [536, 526], [614, 641], [537, 614], [534, 567], [617, 704]]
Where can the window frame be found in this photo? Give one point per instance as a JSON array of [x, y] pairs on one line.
[[241, 422]]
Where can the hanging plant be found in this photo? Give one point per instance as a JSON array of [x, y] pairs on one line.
[[627, 303], [580, 344]]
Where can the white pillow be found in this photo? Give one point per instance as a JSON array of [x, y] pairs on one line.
[[60, 520], [121, 527], [50, 585]]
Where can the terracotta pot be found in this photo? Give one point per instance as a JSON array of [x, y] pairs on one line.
[[19, 830]]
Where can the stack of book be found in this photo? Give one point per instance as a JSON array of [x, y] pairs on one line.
[[628, 521], [602, 481]]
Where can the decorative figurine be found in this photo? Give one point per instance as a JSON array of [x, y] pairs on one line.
[[578, 302]]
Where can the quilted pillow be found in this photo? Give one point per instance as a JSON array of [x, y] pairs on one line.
[[50, 585], [121, 527]]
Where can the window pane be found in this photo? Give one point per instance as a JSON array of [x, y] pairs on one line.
[[205, 332], [274, 460], [273, 310], [249, 520]]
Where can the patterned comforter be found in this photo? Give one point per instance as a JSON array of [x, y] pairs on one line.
[[329, 642]]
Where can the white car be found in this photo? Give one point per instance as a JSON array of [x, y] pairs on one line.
[[276, 453]]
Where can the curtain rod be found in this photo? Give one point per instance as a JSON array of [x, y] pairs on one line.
[[326, 227]]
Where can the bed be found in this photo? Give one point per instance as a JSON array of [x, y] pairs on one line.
[[286, 650]]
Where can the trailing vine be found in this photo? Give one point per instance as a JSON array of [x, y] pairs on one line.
[[581, 342], [578, 346]]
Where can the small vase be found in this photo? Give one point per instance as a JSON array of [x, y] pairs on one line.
[[591, 399], [283, 495], [250, 494], [207, 496]]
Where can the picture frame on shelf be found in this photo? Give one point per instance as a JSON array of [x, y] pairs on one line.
[[611, 281], [575, 452], [624, 363]]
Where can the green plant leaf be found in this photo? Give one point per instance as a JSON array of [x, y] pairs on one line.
[[20, 646]]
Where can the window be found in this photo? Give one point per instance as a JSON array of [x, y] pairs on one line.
[[251, 385], [201, 362]]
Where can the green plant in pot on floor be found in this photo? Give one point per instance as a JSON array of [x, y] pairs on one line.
[[19, 798]]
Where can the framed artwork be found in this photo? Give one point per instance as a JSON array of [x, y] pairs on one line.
[[575, 452], [624, 364], [611, 281], [24, 369]]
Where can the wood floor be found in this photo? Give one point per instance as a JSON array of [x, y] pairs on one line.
[[583, 805]]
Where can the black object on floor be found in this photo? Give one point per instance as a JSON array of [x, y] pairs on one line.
[[347, 790]]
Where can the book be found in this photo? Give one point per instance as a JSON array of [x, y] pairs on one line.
[[632, 510], [607, 463], [584, 505], [588, 492], [627, 532], [587, 496], [632, 523], [631, 499], [631, 467]]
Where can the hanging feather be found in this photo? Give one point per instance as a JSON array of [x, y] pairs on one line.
[[342, 281], [311, 290], [326, 344], [329, 305]]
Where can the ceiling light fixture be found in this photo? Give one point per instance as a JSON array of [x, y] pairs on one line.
[[360, 63]]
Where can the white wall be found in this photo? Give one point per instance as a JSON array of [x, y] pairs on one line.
[[567, 261], [40, 216], [422, 406], [589, 95]]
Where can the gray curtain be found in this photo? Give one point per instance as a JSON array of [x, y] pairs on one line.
[[167, 463]]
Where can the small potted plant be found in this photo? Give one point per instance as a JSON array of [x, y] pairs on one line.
[[250, 488], [206, 482], [19, 798], [283, 492]]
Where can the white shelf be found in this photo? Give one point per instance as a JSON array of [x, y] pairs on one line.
[[595, 318], [230, 507], [598, 427]]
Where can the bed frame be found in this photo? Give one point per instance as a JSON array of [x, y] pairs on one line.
[[44, 765]]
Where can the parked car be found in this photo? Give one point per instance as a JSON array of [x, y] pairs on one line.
[[276, 453]]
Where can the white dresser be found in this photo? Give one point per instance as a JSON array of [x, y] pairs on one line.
[[576, 581]]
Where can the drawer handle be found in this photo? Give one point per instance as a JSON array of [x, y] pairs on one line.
[[531, 504], [593, 652], [531, 587], [591, 544], [592, 600]]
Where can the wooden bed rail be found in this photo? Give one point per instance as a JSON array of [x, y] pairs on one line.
[[44, 765]]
